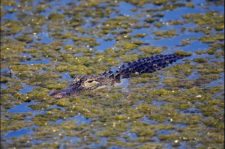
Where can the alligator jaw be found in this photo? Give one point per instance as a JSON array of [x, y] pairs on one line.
[[63, 93], [57, 94]]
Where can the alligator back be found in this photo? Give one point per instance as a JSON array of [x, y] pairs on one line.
[[143, 65]]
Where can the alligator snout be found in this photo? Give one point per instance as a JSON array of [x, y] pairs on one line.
[[58, 94], [62, 93]]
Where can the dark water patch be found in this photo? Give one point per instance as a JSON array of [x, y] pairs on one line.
[[158, 103], [3, 86], [192, 111], [175, 41], [26, 55], [79, 54], [81, 120], [21, 108], [102, 142], [155, 139], [168, 146], [58, 122], [116, 147], [37, 141], [218, 82], [26, 89], [178, 13], [33, 62], [66, 76], [180, 125], [71, 140], [151, 7], [193, 76], [6, 72], [25, 108], [131, 135], [19, 133], [10, 13], [177, 144], [10, 16], [149, 121], [182, 145], [56, 107], [104, 44], [137, 104], [165, 132], [44, 38], [195, 46], [199, 2], [219, 9], [125, 9], [68, 42]]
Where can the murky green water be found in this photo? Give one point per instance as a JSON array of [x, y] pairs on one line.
[[45, 43]]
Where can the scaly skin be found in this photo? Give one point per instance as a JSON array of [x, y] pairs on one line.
[[91, 82]]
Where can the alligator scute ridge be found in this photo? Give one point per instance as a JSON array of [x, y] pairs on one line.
[[91, 82]]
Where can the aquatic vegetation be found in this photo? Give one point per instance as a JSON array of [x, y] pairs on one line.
[[166, 34]]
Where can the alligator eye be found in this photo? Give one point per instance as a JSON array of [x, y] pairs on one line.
[[90, 81]]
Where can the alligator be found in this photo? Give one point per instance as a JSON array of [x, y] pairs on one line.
[[114, 75]]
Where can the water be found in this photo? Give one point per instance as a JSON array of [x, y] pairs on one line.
[[19, 133]]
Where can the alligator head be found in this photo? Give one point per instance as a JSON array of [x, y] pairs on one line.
[[82, 83]]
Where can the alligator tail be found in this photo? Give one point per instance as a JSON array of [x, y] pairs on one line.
[[146, 65]]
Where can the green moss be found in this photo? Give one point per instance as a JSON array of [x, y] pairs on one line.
[[8, 2], [151, 50], [190, 4], [56, 16], [209, 20], [38, 94], [212, 39], [183, 53], [63, 102], [12, 27], [159, 2], [158, 24], [152, 145], [129, 58], [113, 129], [14, 124], [183, 69], [200, 60], [88, 40], [168, 137], [126, 45], [150, 20], [122, 21], [166, 34], [142, 130], [174, 82], [25, 38], [69, 125]]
